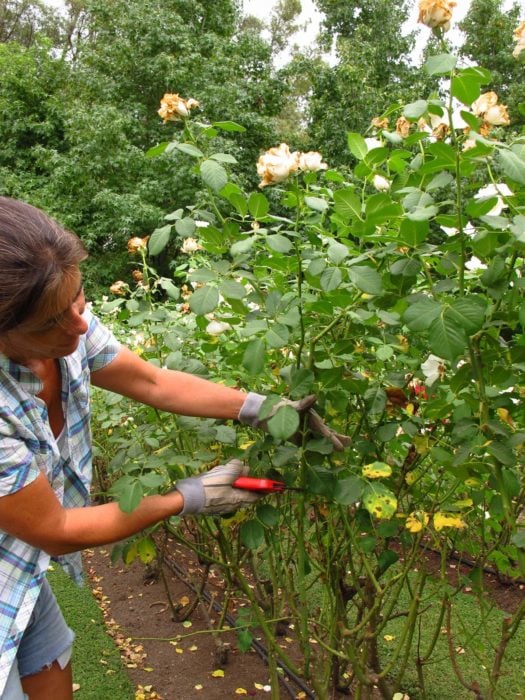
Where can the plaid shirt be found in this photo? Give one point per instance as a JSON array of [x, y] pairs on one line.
[[27, 448]]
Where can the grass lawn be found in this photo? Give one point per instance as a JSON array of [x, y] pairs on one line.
[[97, 667]]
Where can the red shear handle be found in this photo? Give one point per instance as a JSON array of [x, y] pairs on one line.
[[250, 483]]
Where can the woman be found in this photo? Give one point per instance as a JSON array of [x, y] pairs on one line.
[[51, 349]]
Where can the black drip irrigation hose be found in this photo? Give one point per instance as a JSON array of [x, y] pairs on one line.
[[258, 647]]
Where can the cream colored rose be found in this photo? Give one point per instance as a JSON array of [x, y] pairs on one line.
[[277, 164], [136, 243], [436, 14], [381, 183], [190, 245], [519, 36], [497, 115], [119, 288], [484, 102], [174, 107], [311, 161], [217, 327], [380, 122]]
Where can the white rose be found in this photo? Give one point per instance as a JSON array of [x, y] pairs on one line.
[[519, 36], [217, 327], [497, 115], [480, 106], [277, 164], [436, 14], [372, 142], [381, 183], [311, 161], [433, 368], [190, 245], [499, 190], [475, 264]]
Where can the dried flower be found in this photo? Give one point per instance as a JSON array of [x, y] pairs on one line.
[[519, 36], [137, 275], [135, 244], [173, 107], [436, 14], [484, 101], [277, 164], [380, 122], [492, 113], [497, 116], [311, 161], [402, 127], [119, 288]]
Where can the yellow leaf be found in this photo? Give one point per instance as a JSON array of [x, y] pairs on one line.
[[194, 647], [219, 673], [465, 503], [377, 470], [179, 650], [416, 521], [198, 686], [259, 686], [504, 415], [247, 444], [241, 691], [389, 637], [184, 600], [186, 623], [442, 520]]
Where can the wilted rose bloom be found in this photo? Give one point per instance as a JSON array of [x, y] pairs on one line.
[[468, 144], [136, 243], [277, 164], [402, 127], [497, 116], [137, 275], [173, 107], [519, 36], [436, 14], [380, 122], [381, 183], [499, 190], [190, 245], [441, 131], [484, 102], [311, 161], [119, 288], [217, 327]]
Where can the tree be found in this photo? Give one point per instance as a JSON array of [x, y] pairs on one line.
[[489, 42], [373, 69]]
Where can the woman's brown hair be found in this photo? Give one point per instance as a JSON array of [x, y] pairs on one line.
[[36, 257]]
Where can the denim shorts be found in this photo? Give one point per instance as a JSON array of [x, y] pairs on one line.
[[46, 639]]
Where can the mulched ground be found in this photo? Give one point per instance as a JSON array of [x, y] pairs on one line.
[[170, 660]]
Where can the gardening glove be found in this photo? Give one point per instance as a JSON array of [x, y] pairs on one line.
[[249, 414], [212, 492]]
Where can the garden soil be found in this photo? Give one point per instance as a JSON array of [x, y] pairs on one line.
[[170, 660]]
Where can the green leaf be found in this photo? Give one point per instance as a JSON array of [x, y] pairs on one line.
[[379, 501], [213, 175], [366, 279], [413, 233], [189, 149], [512, 165], [357, 145], [439, 181], [204, 300], [146, 550], [279, 243], [224, 158], [468, 312], [466, 84], [381, 208], [502, 453], [518, 227], [159, 240], [131, 497], [420, 315], [239, 202], [171, 290], [185, 227], [375, 399], [447, 339], [243, 246], [337, 252], [157, 150], [316, 203], [349, 491], [346, 203], [415, 110], [231, 289], [441, 64], [229, 126], [331, 279], [284, 423], [301, 382], [268, 515], [258, 205], [254, 358], [278, 336], [252, 534], [518, 540]]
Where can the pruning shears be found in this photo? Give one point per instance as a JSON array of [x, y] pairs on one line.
[[251, 483]]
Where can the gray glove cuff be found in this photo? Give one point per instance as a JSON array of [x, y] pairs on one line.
[[192, 490], [249, 413]]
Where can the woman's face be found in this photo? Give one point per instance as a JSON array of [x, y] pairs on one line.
[[50, 338]]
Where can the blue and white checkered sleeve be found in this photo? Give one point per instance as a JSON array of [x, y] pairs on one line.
[[101, 345], [18, 467]]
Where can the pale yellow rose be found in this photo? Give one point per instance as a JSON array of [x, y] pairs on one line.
[[519, 36], [190, 245], [402, 127], [311, 161], [381, 183], [174, 107], [136, 243], [436, 14], [380, 122], [277, 164], [497, 116], [484, 102]]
